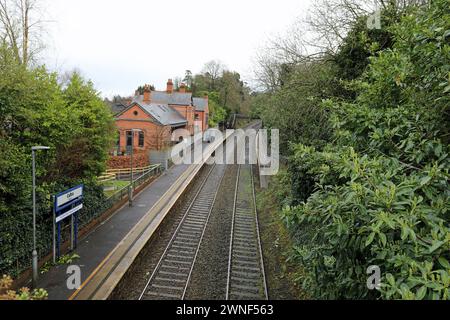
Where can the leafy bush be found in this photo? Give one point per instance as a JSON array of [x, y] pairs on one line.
[[217, 113], [305, 171], [280, 187], [380, 195], [382, 215], [295, 109], [71, 118], [23, 294]]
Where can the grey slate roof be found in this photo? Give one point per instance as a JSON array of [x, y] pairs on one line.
[[164, 114], [175, 98], [160, 109], [200, 104]]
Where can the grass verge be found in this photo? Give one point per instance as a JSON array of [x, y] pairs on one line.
[[111, 187]]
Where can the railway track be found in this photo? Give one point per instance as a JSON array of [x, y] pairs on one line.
[[246, 276], [171, 276]]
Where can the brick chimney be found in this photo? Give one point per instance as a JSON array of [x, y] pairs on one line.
[[170, 86], [182, 88], [147, 94]]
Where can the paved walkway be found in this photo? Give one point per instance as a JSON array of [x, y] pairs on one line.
[[96, 246]]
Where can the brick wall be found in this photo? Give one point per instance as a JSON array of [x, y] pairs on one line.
[[155, 136]]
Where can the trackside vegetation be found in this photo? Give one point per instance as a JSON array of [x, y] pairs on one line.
[[38, 107], [368, 178], [364, 122]]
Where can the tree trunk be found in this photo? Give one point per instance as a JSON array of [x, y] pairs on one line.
[[26, 29]]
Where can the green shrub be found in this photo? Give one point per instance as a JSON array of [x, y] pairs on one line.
[[382, 215], [23, 294], [35, 109], [296, 110], [380, 194]]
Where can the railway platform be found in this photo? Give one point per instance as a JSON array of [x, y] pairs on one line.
[[108, 251]]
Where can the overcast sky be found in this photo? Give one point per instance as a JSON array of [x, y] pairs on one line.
[[121, 44]]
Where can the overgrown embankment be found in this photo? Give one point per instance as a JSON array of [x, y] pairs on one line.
[[366, 134], [282, 274]]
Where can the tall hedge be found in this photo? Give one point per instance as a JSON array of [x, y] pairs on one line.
[[71, 118], [380, 193]]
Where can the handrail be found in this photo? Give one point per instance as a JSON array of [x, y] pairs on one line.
[[137, 182], [128, 170], [106, 177], [113, 174]]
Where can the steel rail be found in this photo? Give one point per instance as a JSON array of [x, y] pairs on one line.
[[185, 224], [230, 254], [266, 292], [246, 277]]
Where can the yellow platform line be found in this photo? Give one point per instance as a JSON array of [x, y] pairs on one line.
[[159, 202]]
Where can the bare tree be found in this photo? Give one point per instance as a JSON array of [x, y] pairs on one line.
[[21, 28], [213, 70], [266, 71], [316, 35], [161, 138], [329, 21], [64, 77]]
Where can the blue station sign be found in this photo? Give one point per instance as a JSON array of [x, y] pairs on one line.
[[66, 204], [67, 198]]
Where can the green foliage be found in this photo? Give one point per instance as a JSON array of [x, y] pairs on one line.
[[380, 193], [416, 71], [93, 132], [412, 135], [68, 258], [305, 171], [216, 111], [234, 95], [295, 109], [279, 188], [227, 92], [23, 294], [360, 44], [74, 122], [63, 260], [15, 188], [372, 211]]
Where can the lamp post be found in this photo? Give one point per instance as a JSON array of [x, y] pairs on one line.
[[34, 254], [131, 188], [130, 195]]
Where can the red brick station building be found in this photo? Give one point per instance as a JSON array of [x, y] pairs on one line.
[[152, 118]]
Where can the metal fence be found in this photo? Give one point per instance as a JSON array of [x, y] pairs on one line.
[[121, 174], [121, 194], [94, 210]]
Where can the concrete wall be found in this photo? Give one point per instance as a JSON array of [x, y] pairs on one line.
[[161, 157]]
